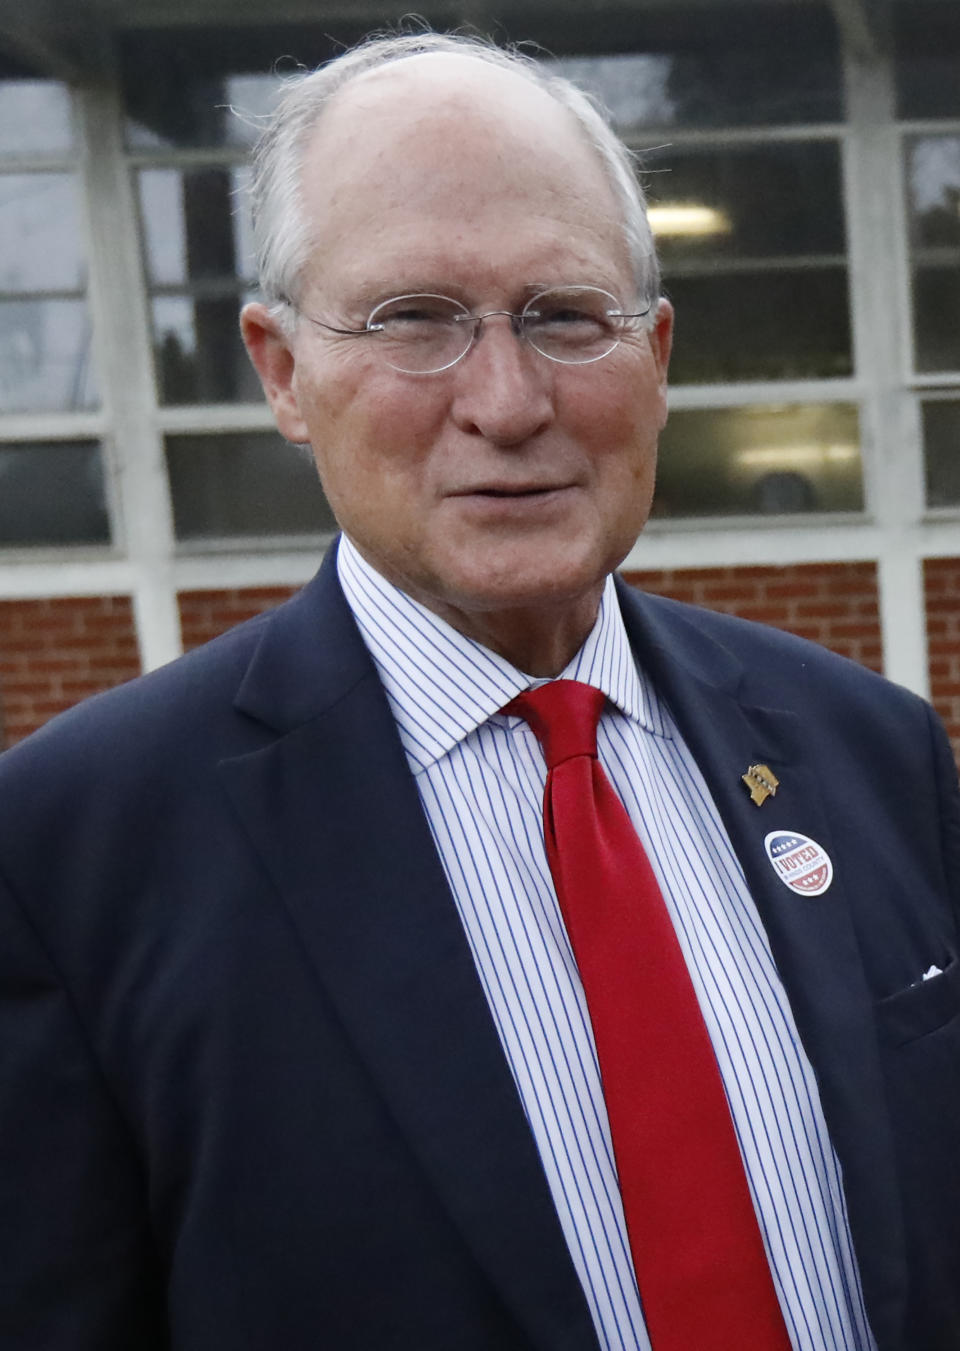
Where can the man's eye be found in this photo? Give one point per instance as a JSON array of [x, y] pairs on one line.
[[567, 317], [412, 315]]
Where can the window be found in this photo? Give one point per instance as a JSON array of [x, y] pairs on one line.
[[941, 439], [752, 245], [188, 137], [927, 60], [737, 123], [52, 491], [199, 262], [44, 323], [237, 485], [933, 189], [737, 120], [760, 459]]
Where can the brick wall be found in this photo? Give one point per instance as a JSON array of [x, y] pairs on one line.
[[56, 651], [941, 578], [207, 614], [835, 604]]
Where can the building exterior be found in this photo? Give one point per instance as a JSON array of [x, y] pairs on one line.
[[803, 164]]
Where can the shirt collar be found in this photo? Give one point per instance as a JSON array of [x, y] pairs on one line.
[[442, 686]]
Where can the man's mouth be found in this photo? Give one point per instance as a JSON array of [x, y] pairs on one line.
[[521, 490]]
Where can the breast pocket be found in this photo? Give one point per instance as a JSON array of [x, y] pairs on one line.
[[922, 1007]]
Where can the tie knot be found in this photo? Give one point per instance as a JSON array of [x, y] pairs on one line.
[[563, 716]]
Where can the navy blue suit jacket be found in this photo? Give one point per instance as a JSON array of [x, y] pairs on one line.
[[251, 1098]]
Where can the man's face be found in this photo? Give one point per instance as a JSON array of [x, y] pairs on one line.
[[508, 483]]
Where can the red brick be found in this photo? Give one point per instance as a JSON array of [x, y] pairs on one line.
[[728, 591], [855, 630], [57, 650], [791, 590], [941, 578], [824, 609], [207, 614]]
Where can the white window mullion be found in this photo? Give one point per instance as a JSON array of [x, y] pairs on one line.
[[143, 520], [881, 324]]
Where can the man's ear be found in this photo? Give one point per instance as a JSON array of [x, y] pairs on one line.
[[661, 337], [271, 352]]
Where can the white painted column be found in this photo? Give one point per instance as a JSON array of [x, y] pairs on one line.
[[140, 498], [893, 462]]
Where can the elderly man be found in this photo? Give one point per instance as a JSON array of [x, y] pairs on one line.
[[315, 1032]]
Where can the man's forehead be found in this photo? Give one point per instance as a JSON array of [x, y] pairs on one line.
[[433, 77], [440, 150], [416, 91]]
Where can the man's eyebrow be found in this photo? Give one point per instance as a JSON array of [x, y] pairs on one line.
[[371, 295]]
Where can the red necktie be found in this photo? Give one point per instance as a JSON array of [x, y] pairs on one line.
[[701, 1268]]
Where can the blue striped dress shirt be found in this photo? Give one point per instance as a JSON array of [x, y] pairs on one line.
[[481, 777]]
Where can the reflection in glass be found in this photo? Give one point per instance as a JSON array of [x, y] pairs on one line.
[[761, 325], [933, 185], [700, 65], [45, 356], [633, 87], [251, 98], [198, 351], [941, 449], [52, 492], [775, 64], [34, 117], [244, 484], [40, 233], [196, 224], [199, 106], [759, 202], [760, 460], [933, 175]]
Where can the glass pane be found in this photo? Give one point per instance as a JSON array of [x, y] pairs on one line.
[[941, 448], [34, 117], [760, 460], [199, 354], [927, 40], [178, 108], [41, 236], [201, 86], [729, 65], [634, 88], [761, 325], [933, 186], [45, 356], [242, 484], [936, 318], [766, 201], [196, 224], [933, 189], [699, 65], [225, 110], [52, 492]]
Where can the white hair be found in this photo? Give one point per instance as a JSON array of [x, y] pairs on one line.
[[281, 228]]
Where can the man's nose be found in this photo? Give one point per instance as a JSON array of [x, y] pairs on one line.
[[504, 389]]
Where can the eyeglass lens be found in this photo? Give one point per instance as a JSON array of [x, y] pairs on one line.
[[422, 334]]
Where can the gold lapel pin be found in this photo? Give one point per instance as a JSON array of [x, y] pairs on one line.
[[762, 782]]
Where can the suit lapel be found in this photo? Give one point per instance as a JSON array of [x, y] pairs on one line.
[[812, 937], [335, 816]]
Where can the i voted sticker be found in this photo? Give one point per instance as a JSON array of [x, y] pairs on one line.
[[801, 864]]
